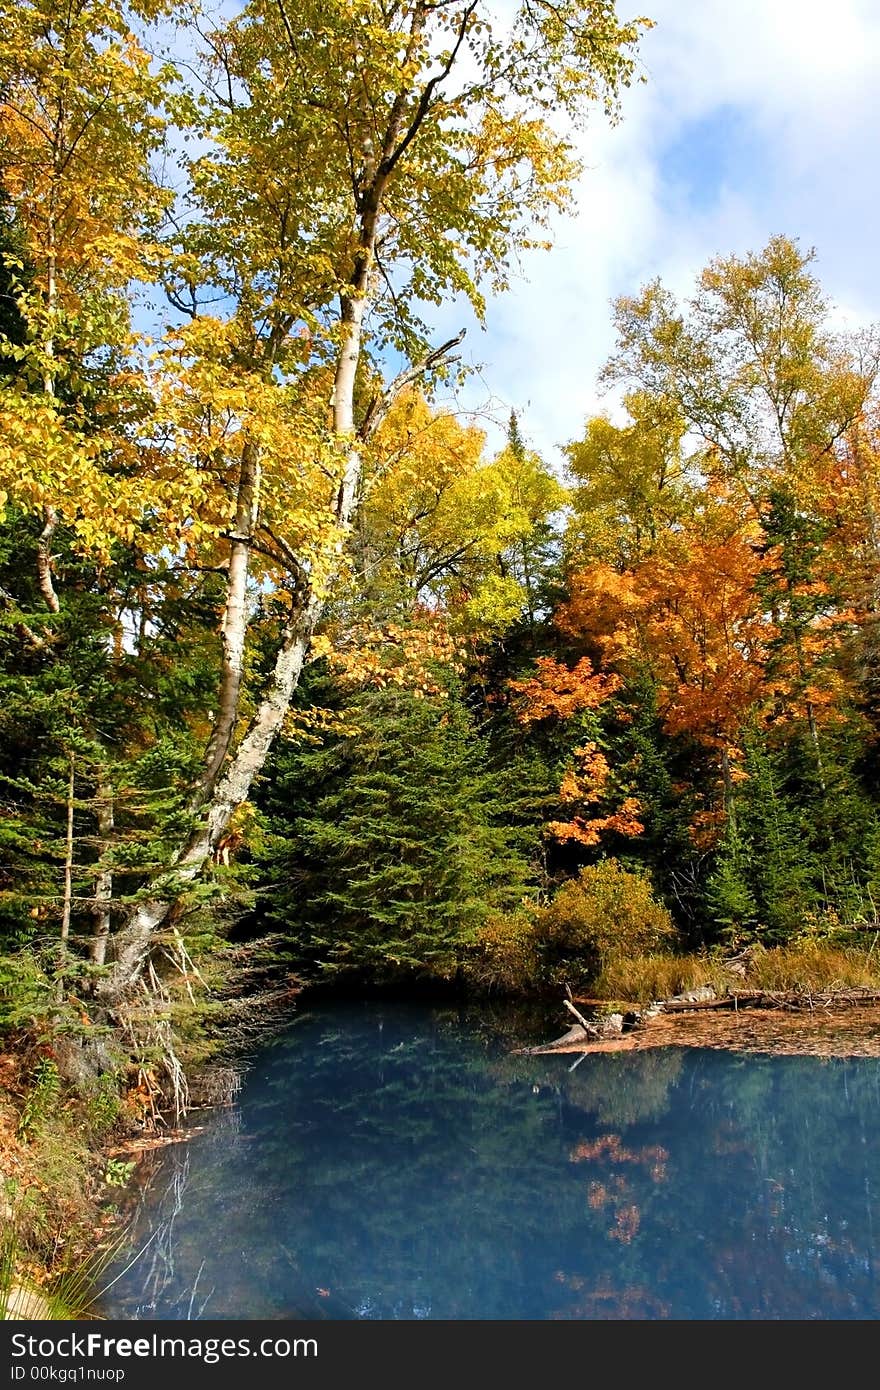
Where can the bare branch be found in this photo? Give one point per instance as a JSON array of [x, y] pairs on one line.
[[379, 406]]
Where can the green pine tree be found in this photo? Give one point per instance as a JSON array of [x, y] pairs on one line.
[[389, 852]]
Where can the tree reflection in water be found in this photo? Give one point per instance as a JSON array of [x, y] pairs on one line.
[[398, 1162]]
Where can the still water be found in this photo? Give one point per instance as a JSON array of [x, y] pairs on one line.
[[399, 1162]]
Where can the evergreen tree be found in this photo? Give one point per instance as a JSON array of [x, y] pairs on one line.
[[389, 852]]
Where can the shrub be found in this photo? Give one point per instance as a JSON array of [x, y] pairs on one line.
[[605, 919], [27, 994], [41, 1101], [505, 957], [606, 912]]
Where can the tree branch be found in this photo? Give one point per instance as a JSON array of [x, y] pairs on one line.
[[40, 644], [380, 405], [431, 86]]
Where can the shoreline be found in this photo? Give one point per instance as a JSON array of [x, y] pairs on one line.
[[845, 1030]]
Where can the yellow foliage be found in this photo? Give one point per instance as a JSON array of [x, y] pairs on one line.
[[442, 523], [605, 912]]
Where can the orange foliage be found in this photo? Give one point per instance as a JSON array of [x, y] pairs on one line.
[[626, 1225], [586, 784], [558, 693], [607, 1302], [691, 611], [706, 827], [408, 655], [624, 821], [610, 1148]]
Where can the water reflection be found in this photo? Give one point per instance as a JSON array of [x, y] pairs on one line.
[[389, 1162]]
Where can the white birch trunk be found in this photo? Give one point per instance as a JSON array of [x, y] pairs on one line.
[[234, 626], [132, 944], [220, 799]]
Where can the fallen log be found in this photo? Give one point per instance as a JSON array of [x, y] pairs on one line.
[[616, 1032], [567, 1004], [780, 999], [576, 1034], [727, 1001]]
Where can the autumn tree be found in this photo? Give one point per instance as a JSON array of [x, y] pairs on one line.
[[353, 166], [750, 363], [78, 125], [844, 513], [631, 484], [710, 559], [359, 163], [754, 369], [444, 536]]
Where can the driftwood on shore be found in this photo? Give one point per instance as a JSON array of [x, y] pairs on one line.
[[775, 999], [607, 1032]]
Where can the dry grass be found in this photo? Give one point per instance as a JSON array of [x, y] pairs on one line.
[[54, 1219], [806, 967], [639, 979], [813, 966]]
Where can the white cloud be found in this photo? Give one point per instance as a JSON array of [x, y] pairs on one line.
[[758, 117]]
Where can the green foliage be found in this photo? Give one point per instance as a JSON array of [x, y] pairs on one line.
[[595, 927], [390, 856], [101, 1104], [729, 899], [26, 994], [795, 851], [40, 1100], [118, 1172]]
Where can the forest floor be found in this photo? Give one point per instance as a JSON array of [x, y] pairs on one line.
[[57, 1209]]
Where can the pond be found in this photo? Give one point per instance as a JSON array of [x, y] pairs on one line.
[[397, 1162]]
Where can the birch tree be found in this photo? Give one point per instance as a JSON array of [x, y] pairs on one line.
[[360, 162], [366, 161]]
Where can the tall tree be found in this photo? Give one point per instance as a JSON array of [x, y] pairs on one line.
[[362, 161], [388, 850], [750, 363], [78, 124]]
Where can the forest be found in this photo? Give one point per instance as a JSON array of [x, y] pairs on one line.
[[305, 674]]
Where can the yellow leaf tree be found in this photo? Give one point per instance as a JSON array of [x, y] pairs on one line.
[[355, 165]]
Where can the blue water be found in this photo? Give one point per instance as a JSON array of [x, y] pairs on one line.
[[400, 1162]]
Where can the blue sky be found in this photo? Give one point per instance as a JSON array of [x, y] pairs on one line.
[[758, 117]]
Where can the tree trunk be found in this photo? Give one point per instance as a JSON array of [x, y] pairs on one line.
[[234, 627], [727, 780], [44, 559], [104, 878], [132, 944], [218, 796], [50, 516], [68, 879]]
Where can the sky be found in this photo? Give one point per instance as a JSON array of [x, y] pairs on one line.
[[757, 117]]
